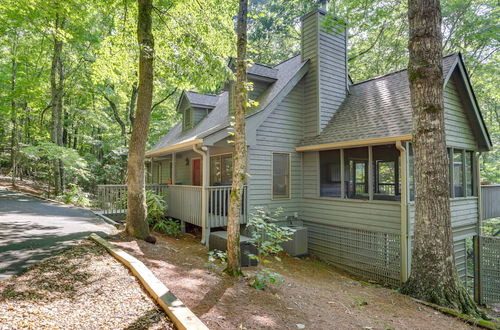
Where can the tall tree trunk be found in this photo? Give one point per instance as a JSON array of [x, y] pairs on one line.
[[136, 210], [56, 84], [240, 148], [132, 103], [433, 274], [14, 134]]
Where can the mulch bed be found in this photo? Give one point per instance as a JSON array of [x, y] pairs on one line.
[[314, 295], [82, 288]]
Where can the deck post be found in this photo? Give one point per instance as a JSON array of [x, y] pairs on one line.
[[205, 177], [173, 167]]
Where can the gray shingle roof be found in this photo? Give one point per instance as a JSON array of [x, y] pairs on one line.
[[375, 108], [208, 100], [219, 118], [263, 70]]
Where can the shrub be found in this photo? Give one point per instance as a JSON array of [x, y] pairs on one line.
[[157, 206], [267, 237], [75, 195], [168, 226]]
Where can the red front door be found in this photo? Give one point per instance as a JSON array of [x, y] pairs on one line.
[[196, 172]]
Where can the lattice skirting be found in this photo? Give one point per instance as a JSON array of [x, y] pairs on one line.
[[368, 254], [490, 269]]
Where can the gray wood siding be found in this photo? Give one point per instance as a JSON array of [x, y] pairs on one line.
[[326, 81], [460, 248], [459, 133], [369, 215], [332, 68], [280, 132], [258, 89], [464, 217], [309, 50], [198, 114]]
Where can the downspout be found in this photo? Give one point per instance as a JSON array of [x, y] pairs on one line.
[[479, 192], [203, 151], [404, 214]]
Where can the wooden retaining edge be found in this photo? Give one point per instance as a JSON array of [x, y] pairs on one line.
[[466, 318], [181, 316]]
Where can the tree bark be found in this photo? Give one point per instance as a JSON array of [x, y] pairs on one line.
[[132, 103], [136, 211], [56, 84], [240, 148], [433, 275]]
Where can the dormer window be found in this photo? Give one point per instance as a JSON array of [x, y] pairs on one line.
[[194, 107]]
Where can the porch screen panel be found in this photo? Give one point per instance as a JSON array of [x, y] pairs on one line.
[[469, 173], [226, 169], [281, 175], [386, 173], [458, 178], [330, 184], [221, 170], [356, 172]]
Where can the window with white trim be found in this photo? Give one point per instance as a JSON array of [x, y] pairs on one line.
[[281, 175]]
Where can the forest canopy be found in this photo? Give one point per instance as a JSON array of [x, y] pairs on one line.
[[68, 70]]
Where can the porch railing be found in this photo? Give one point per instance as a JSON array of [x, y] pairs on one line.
[[490, 195], [218, 205], [112, 198], [184, 202]]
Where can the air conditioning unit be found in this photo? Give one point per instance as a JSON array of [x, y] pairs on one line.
[[218, 241]]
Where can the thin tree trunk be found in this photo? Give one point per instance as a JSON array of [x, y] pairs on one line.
[[433, 274], [116, 115], [240, 148], [56, 83], [13, 140], [136, 210]]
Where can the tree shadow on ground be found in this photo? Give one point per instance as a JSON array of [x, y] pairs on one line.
[[149, 318], [57, 278]]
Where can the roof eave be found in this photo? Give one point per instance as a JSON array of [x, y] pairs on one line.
[[354, 143], [186, 145]]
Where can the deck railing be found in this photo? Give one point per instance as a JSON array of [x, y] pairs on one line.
[[218, 205], [490, 200], [112, 198], [184, 202]]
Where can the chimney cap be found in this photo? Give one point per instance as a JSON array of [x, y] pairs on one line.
[[312, 12]]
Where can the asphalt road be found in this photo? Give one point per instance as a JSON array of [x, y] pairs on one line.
[[32, 230]]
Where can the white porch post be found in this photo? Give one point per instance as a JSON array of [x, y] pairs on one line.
[[404, 205], [173, 167], [205, 177]]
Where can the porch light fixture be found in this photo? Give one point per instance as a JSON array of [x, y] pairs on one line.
[[187, 161]]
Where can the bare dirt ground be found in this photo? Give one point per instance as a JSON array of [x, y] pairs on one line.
[[314, 295], [82, 288], [25, 186]]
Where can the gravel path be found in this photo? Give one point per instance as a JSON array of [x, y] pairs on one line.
[[32, 230], [82, 288]]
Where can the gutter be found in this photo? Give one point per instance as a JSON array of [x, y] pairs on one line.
[[352, 143], [404, 214], [175, 147]]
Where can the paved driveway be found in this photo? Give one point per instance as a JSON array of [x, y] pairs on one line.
[[32, 230]]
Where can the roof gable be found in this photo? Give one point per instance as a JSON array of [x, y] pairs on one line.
[[381, 107]]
